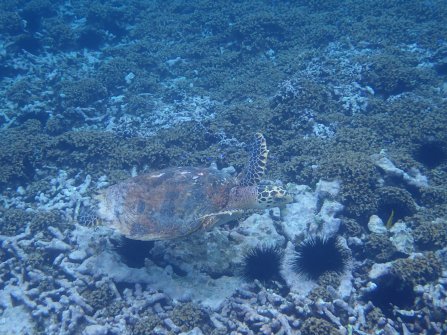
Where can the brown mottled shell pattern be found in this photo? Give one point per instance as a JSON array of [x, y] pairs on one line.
[[165, 204]]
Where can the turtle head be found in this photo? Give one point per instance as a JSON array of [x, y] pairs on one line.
[[272, 196]]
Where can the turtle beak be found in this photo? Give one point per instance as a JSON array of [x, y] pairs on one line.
[[283, 198], [288, 198]]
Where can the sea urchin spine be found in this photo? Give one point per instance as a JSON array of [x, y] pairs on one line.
[[263, 263], [317, 255]]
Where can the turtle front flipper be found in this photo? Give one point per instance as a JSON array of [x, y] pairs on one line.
[[210, 220], [256, 166]]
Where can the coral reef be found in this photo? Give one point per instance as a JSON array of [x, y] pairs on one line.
[[113, 73], [351, 97], [394, 200], [258, 31]]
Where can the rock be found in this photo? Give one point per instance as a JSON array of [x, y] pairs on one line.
[[129, 77], [328, 188], [194, 331], [298, 215], [21, 190], [414, 177], [259, 229], [58, 245], [345, 288], [328, 223], [77, 255], [375, 225], [402, 237], [95, 330], [16, 320], [379, 269]]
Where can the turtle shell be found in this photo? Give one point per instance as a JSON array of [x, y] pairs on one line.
[[164, 204]]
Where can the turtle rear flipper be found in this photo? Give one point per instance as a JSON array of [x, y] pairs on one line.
[[256, 166]]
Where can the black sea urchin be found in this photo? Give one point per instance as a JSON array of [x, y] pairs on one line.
[[317, 255], [262, 262]]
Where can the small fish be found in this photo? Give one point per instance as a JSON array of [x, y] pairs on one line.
[[389, 222]]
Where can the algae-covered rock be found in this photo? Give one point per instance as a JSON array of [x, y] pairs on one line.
[[259, 30], [351, 227], [13, 221], [434, 195], [41, 220], [113, 73], [22, 92], [61, 34], [379, 248], [374, 316], [83, 93], [188, 316], [145, 324], [419, 269], [329, 278], [10, 23], [100, 297], [317, 326], [390, 75], [21, 152], [358, 180], [81, 149], [431, 235]]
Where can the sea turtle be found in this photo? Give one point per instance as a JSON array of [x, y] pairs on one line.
[[176, 202]]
